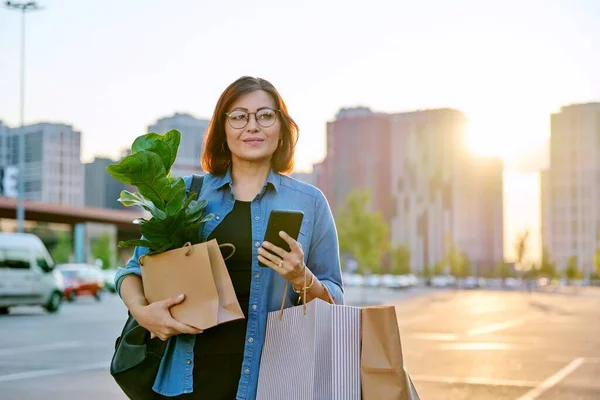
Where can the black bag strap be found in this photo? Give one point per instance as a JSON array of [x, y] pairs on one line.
[[196, 185]]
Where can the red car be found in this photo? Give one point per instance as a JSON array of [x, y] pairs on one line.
[[81, 280]]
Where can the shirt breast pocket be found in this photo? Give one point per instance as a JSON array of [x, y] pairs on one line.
[[305, 234]]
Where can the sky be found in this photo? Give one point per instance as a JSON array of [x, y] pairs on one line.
[[111, 68]]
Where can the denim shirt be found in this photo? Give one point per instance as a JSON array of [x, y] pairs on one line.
[[318, 237]]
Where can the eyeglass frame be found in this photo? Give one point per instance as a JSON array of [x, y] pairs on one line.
[[250, 113]]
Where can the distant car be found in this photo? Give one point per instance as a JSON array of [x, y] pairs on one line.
[[353, 280], [372, 280], [470, 282], [81, 280], [442, 281], [27, 273]]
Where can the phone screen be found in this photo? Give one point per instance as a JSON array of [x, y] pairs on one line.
[[288, 221]]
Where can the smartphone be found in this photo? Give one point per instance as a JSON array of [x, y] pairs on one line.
[[288, 221]]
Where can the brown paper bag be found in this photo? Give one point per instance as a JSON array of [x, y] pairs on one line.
[[382, 364], [200, 273]]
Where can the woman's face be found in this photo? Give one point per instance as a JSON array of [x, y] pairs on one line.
[[253, 128]]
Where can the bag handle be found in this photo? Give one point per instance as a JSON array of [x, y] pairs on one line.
[[232, 250], [191, 250], [302, 296]]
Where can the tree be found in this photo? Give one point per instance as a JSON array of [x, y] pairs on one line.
[[62, 250], [362, 233], [503, 271], [102, 249], [456, 260], [400, 261], [464, 267], [572, 270], [521, 246], [439, 268], [596, 274], [547, 267], [426, 271]]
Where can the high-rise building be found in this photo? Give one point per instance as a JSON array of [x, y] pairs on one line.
[[3, 146], [429, 187], [101, 189], [53, 168], [571, 187], [192, 136], [443, 193], [358, 157]]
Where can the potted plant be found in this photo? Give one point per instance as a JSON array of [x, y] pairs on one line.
[[176, 261]]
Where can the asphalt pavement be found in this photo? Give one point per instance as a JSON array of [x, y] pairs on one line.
[[457, 345]]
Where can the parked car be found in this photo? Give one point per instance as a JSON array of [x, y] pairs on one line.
[[81, 280], [355, 280], [27, 273], [443, 281]]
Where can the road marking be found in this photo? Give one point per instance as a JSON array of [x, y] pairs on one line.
[[553, 380], [55, 371], [588, 360], [442, 337], [495, 327], [42, 347], [473, 381]]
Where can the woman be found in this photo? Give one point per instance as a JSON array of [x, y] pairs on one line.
[[248, 148]]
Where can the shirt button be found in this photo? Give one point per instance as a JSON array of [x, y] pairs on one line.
[[251, 340], [254, 307], [246, 371], [189, 361], [257, 276], [257, 244], [217, 218], [257, 218]]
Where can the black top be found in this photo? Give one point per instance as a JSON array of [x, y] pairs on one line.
[[219, 351], [236, 228]]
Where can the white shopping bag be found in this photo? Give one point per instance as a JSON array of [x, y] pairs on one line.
[[312, 353]]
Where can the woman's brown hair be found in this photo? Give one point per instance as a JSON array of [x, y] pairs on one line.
[[216, 156]]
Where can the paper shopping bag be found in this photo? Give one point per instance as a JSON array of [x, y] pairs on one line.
[[311, 355], [199, 272], [382, 364]]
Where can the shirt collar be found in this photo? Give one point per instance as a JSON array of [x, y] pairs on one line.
[[273, 180]]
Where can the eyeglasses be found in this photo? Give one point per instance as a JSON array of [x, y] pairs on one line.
[[265, 117]]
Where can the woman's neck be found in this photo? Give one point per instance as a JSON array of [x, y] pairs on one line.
[[248, 179]]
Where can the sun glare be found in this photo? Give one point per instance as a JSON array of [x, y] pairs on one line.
[[487, 140], [508, 140]]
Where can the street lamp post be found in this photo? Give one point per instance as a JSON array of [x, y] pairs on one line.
[[23, 8]]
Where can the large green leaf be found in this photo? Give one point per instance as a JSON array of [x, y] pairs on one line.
[[164, 145], [145, 170], [176, 196], [138, 242], [129, 199], [195, 209], [157, 230]]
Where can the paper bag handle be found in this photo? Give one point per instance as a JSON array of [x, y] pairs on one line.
[[191, 250], [232, 250]]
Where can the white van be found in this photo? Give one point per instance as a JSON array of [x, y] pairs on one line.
[[27, 275]]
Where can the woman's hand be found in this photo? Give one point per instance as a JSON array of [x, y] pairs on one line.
[[157, 318], [290, 265]]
